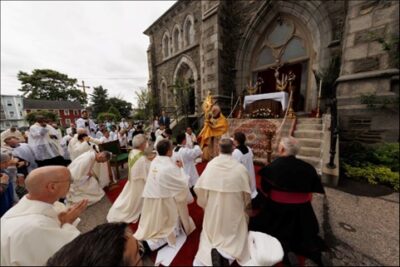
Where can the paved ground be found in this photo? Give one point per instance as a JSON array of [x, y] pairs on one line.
[[359, 222]]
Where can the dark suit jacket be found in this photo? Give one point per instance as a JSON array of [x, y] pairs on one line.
[[164, 120]]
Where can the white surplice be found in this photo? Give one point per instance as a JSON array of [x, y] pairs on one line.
[[128, 206], [31, 233], [84, 186], [247, 161], [165, 203], [77, 148], [223, 191], [81, 123], [41, 143], [188, 156], [190, 139]]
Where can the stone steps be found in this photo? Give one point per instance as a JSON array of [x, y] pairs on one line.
[[311, 134], [306, 126], [309, 121], [310, 152], [309, 142]]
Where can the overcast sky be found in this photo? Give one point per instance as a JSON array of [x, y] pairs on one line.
[[101, 43]]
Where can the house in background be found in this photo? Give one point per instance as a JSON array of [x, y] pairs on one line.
[[67, 111], [12, 112]]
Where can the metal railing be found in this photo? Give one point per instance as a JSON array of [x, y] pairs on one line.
[[333, 128]]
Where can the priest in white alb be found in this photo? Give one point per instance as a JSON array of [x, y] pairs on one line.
[[85, 183], [82, 143], [244, 155], [187, 156], [223, 191], [165, 214], [38, 225], [128, 206]]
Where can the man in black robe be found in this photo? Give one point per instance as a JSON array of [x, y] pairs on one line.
[[286, 212]]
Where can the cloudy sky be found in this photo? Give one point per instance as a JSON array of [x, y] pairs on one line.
[[100, 42]]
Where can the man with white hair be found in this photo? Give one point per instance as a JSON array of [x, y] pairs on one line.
[[128, 206], [287, 213], [85, 183], [38, 226], [22, 151]]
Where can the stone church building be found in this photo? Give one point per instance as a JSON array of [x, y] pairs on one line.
[[223, 46]]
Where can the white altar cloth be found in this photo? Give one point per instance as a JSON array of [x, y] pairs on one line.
[[279, 96]]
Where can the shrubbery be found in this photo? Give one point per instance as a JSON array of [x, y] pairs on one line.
[[376, 164]]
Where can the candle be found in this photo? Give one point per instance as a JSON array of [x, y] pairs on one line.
[[320, 88]]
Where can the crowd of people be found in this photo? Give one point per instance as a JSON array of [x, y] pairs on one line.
[[50, 180]]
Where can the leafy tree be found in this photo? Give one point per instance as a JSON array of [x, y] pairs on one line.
[[115, 111], [31, 117], [146, 105], [104, 116], [99, 98], [51, 85], [123, 106]]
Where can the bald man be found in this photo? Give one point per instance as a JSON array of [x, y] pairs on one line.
[[38, 226]]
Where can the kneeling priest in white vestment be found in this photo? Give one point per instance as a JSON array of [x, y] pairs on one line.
[[38, 225], [128, 206], [165, 213], [223, 191], [82, 143], [85, 184]]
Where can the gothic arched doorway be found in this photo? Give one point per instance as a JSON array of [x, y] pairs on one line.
[[185, 84], [283, 47]]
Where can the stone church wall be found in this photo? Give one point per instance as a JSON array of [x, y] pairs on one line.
[[369, 73]]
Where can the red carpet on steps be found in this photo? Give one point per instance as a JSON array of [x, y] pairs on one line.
[[188, 251]]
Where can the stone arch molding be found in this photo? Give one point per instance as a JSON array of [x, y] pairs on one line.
[[311, 13], [186, 37], [188, 61]]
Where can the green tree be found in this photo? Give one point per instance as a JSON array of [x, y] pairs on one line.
[[104, 116], [123, 106], [99, 99], [115, 111], [146, 105], [51, 85], [31, 117]]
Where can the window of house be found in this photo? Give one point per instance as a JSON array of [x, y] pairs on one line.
[[9, 103], [76, 112], [66, 111], [12, 114], [67, 121], [20, 113]]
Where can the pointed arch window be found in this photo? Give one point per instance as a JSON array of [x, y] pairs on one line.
[[177, 40], [165, 45], [189, 32]]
